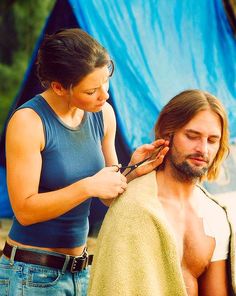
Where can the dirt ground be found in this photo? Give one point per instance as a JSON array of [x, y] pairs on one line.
[[5, 225]]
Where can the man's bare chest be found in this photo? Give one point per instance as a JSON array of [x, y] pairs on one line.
[[194, 246]]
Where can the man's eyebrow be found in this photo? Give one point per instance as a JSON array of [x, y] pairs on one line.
[[198, 133]]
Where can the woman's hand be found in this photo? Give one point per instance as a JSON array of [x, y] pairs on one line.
[[108, 183], [145, 151]]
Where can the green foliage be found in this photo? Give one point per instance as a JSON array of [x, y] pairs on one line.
[[21, 22]]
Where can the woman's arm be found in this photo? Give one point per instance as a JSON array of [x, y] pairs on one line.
[[142, 152], [24, 142], [108, 145], [139, 154]]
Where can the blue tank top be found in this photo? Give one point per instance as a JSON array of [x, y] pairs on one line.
[[70, 154]]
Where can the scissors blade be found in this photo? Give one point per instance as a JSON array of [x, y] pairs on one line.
[[146, 161]]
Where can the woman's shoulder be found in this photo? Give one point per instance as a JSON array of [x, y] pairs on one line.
[[26, 123], [27, 111], [25, 118]]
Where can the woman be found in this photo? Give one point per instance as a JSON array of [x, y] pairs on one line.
[[57, 147]]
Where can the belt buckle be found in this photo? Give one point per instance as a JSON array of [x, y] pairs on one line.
[[82, 259]]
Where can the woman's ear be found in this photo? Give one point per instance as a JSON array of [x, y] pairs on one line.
[[58, 88]]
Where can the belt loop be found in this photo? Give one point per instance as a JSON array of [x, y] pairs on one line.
[[13, 253], [65, 264]]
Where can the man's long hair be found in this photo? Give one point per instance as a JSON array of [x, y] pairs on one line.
[[181, 109]]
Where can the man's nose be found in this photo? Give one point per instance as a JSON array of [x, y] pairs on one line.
[[202, 147]]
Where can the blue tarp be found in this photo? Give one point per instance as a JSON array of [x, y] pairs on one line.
[[159, 48], [5, 207]]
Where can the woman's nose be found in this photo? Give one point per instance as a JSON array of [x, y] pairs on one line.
[[104, 95]]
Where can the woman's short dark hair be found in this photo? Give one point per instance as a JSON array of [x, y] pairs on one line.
[[67, 56]]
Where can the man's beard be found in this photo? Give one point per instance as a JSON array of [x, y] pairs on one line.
[[183, 170]]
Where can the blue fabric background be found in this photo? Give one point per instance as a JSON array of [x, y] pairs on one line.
[[161, 48]]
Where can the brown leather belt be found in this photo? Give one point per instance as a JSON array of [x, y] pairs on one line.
[[75, 263]]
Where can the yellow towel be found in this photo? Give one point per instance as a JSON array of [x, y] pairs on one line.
[[133, 233], [136, 252]]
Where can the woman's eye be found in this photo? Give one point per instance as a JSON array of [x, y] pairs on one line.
[[90, 92]]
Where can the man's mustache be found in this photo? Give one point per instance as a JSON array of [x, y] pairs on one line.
[[199, 156]]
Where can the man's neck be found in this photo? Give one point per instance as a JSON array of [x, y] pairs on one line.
[[169, 186]]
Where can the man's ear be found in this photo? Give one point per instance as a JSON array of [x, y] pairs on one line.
[[169, 137], [58, 88]]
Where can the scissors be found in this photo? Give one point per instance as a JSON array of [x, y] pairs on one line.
[[147, 160]]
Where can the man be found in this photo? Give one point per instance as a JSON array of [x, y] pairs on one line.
[[166, 236]]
